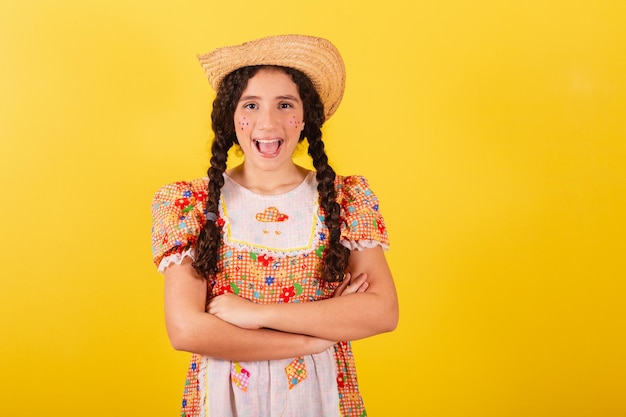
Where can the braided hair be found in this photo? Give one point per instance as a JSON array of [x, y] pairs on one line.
[[335, 258]]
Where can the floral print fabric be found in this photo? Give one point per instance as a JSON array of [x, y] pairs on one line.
[[265, 261]]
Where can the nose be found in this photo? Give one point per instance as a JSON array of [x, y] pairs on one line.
[[267, 118]]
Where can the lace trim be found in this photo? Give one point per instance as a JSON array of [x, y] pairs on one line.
[[363, 244], [275, 253], [175, 258]]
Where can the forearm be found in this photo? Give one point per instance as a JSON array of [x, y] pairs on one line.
[[351, 317], [192, 329], [208, 335], [346, 317]]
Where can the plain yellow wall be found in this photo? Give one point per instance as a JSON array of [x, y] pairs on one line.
[[494, 133]]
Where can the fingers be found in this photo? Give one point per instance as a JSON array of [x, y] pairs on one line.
[[363, 287], [357, 285], [341, 288], [211, 305], [352, 285], [214, 303]]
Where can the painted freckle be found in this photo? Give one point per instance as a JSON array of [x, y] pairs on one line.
[[243, 122]]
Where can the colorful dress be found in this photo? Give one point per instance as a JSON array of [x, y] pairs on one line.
[[272, 248]]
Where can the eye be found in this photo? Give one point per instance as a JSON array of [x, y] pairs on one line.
[[285, 105], [250, 106]]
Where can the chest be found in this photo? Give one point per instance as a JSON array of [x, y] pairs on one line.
[[272, 246]]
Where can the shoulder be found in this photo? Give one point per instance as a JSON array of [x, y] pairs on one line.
[[177, 217], [179, 199], [195, 189], [362, 224], [354, 188]]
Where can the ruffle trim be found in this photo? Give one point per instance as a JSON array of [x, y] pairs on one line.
[[175, 258], [363, 244]]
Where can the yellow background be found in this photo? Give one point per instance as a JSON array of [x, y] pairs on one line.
[[494, 133]]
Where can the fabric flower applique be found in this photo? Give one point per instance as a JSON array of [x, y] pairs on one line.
[[380, 226], [255, 271], [341, 380], [182, 203], [200, 195], [287, 293], [225, 289], [265, 260]]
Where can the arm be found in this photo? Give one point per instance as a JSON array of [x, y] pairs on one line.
[[191, 329], [349, 317]]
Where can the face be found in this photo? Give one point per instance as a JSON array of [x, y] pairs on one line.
[[269, 119]]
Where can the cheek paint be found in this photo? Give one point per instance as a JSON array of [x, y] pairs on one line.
[[243, 123], [295, 122]]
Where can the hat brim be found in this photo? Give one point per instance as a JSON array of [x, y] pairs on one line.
[[316, 57]]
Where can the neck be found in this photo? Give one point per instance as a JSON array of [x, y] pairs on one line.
[[268, 182]]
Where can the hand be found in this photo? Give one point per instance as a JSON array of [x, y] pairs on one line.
[[352, 286], [235, 310]]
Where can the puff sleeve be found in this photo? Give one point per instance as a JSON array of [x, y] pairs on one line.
[[177, 219], [362, 225]]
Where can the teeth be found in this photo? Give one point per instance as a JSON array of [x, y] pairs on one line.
[[267, 140], [268, 146]]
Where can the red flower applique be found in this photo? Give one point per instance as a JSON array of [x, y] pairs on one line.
[[181, 202], [200, 195], [381, 227], [225, 289], [287, 293], [265, 260], [340, 381]]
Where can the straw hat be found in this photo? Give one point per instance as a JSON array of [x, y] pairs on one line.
[[317, 58]]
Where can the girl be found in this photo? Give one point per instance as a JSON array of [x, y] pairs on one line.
[[270, 269]]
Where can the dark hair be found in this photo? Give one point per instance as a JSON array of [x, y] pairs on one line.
[[335, 258]]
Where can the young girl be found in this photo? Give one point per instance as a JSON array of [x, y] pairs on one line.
[[270, 269]]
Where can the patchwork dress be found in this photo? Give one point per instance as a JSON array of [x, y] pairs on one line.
[[271, 253]]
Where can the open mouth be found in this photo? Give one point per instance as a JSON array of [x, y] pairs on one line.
[[268, 147]]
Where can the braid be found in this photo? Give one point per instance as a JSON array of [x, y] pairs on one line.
[[210, 239], [336, 255]]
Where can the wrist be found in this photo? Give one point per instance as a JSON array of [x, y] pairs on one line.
[[263, 316]]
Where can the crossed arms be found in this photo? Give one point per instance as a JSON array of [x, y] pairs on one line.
[[233, 328]]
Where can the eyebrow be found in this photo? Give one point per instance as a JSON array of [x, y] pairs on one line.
[[286, 97]]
